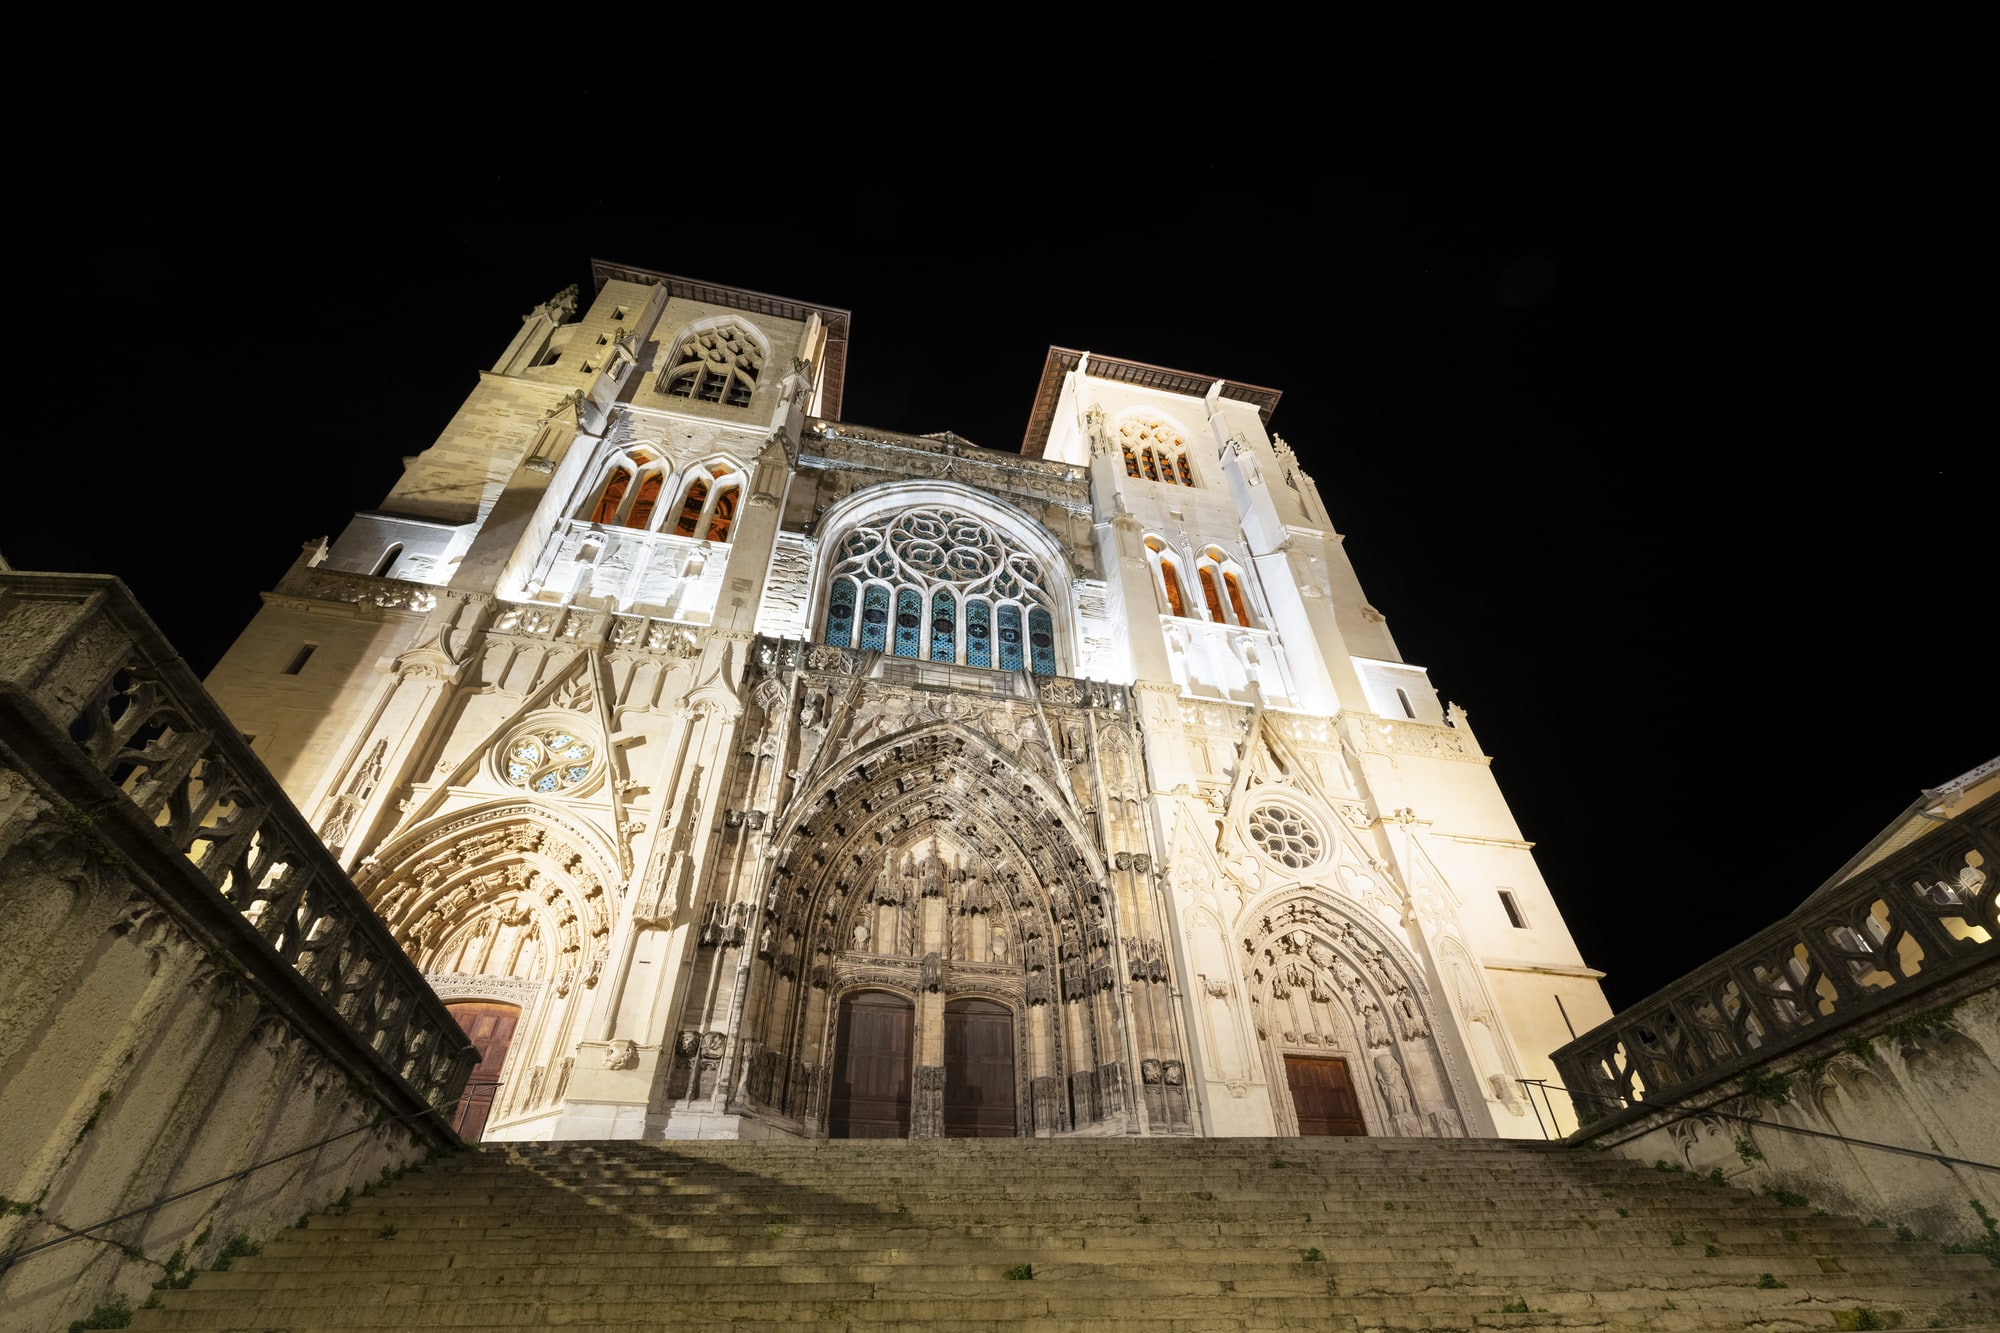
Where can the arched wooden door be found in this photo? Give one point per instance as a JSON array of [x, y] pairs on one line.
[[978, 1070], [871, 1068], [1323, 1095], [490, 1027]]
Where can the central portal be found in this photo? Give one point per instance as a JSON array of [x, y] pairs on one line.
[[871, 1068], [978, 1070]]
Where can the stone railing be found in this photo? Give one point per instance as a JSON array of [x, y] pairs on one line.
[[1069, 691], [333, 585], [214, 834], [839, 444], [1906, 928]]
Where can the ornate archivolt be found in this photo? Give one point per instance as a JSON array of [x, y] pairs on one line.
[[932, 862], [511, 891], [1326, 979]]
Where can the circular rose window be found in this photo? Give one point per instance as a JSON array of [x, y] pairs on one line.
[[548, 760], [1286, 836]]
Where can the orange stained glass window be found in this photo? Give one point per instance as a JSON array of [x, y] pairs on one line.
[[1146, 459], [649, 496], [1236, 598], [1211, 595], [697, 496], [1172, 579], [1187, 473], [1131, 462], [723, 515], [614, 495]]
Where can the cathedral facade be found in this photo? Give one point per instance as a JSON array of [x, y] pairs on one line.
[[735, 770]]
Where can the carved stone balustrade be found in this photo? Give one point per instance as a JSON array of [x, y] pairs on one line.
[[861, 449], [775, 654], [1918, 922], [95, 703], [332, 585]]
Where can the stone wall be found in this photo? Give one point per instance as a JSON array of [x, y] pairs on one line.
[[189, 988]]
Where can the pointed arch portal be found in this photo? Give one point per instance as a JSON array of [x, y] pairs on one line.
[[935, 868]]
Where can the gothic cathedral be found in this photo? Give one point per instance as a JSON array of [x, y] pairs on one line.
[[735, 770]]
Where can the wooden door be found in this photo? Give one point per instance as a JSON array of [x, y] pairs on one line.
[[1323, 1095], [490, 1027], [978, 1070], [871, 1068]]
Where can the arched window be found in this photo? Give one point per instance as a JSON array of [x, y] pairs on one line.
[[612, 498], [978, 633], [1222, 588], [1156, 450], [1168, 576], [1009, 636], [716, 364], [944, 627], [840, 613], [388, 560], [874, 618], [940, 583], [909, 622], [708, 502], [621, 503], [1211, 594]]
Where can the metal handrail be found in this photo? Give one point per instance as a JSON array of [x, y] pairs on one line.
[[1686, 1111], [13, 1257]]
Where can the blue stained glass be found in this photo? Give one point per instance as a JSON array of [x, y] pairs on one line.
[[1010, 638], [1041, 643], [944, 627], [909, 623], [875, 618], [978, 633], [840, 613]]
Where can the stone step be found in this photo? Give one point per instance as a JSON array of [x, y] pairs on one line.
[[1345, 1235]]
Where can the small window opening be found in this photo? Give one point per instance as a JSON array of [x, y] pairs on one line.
[[1403, 698], [1514, 916], [618, 315], [603, 341], [299, 661], [388, 560]]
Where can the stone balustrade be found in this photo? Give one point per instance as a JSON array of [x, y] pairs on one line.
[[777, 654], [207, 1031], [81, 653], [1911, 924]]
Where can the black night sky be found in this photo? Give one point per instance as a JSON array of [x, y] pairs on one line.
[[1648, 372]]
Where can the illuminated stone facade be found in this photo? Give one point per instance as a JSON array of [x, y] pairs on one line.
[[784, 776]]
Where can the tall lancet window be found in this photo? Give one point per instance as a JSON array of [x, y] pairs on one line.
[[875, 618], [1222, 588], [631, 494], [840, 613], [944, 627], [708, 500], [1167, 576]]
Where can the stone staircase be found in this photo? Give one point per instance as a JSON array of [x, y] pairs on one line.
[[955, 1235]]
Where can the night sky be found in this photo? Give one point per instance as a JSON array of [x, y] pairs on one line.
[[1647, 372]]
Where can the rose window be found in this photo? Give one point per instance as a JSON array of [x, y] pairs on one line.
[[548, 761], [1286, 836]]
